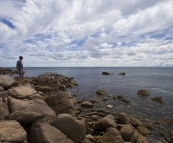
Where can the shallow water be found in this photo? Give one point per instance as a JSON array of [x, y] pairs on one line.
[[158, 81]]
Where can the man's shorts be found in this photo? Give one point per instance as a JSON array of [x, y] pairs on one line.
[[21, 73]]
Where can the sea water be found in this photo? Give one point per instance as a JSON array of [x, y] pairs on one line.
[[157, 80]]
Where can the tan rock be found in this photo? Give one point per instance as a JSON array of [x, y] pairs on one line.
[[111, 136], [6, 81], [86, 104], [105, 123], [137, 138], [3, 110], [124, 118], [11, 131], [143, 130], [101, 92], [71, 127], [45, 133], [143, 92], [27, 105], [127, 131], [1, 88], [62, 103], [165, 121]]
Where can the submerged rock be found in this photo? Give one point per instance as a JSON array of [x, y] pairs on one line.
[[101, 92], [143, 92], [157, 99]]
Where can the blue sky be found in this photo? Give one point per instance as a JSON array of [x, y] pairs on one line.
[[74, 33]]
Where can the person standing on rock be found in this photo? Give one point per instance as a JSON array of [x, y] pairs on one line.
[[19, 68]]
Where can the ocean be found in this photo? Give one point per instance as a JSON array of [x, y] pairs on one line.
[[157, 80]]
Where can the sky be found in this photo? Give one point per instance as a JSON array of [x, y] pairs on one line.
[[86, 33]]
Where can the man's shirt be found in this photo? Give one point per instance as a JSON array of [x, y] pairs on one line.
[[20, 65]]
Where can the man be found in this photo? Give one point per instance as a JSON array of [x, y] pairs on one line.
[[19, 68]]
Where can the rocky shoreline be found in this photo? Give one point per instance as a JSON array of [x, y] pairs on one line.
[[31, 114]]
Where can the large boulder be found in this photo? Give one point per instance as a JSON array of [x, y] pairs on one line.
[[126, 131], [24, 92], [143, 92], [11, 131], [27, 105], [125, 119], [62, 103], [111, 136], [3, 110], [101, 92], [45, 133], [24, 117], [105, 123], [71, 127], [6, 81]]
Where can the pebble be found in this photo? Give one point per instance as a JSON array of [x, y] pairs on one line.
[[109, 106]]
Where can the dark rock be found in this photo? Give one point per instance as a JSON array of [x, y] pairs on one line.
[[45, 133], [122, 73], [24, 117], [71, 127], [143, 92], [11, 131], [105, 73], [114, 97]]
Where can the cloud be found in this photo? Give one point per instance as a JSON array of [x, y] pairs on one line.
[[88, 33]]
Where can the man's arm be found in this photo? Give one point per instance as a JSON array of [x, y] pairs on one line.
[[17, 67]]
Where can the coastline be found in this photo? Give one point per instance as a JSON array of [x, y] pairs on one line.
[[87, 112]]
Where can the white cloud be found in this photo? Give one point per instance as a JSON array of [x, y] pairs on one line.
[[96, 33]]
